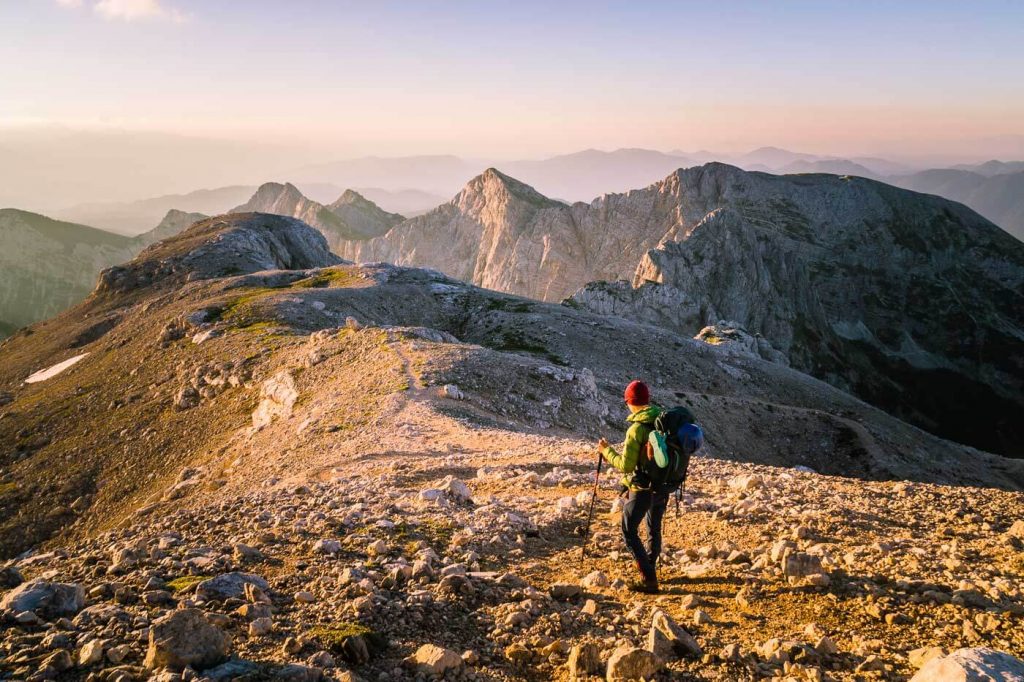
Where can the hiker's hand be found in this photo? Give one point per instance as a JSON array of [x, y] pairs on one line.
[[602, 444]]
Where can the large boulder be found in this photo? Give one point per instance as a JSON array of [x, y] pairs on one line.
[[681, 641], [228, 585], [631, 663], [277, 398], [431, 659], [972, 665], [800, 564], [731, 338], [185, 638], [46, 599], [584, 659]]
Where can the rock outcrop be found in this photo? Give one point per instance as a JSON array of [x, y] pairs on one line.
[[911, 302], [233, 244], [733, 339]]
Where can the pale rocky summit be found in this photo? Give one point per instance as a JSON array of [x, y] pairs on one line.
[[171, 224], [351, 216], [362, 216]]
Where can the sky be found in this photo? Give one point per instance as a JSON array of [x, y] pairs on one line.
[[519, 79]]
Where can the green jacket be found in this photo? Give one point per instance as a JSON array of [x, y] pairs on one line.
[[641, 425]]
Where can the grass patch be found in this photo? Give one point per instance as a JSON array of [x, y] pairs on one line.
[[516, 342], [328, 278], [335, 638], [240, 312], [6, 488], [186, 582], [509, 305]]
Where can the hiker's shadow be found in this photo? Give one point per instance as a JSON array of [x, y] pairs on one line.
[[682, 585]]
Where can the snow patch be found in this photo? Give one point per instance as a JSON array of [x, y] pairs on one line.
[[50, 372]]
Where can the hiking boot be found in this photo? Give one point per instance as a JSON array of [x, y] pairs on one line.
[[645, 587]]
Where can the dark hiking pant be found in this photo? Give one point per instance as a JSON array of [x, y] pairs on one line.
[[649, 507]]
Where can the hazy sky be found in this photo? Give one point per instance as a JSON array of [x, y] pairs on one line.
[[524, 78]]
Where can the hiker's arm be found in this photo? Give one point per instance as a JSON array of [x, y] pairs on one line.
[[626, 461]]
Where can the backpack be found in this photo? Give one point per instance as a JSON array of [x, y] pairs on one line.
[[675, 436]]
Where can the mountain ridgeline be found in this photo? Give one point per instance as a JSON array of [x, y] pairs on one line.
[[909, 301], [350, 217]]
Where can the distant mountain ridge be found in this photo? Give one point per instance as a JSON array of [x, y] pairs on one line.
[[998, 197], [413, 185], [134, 217], [351, 216]]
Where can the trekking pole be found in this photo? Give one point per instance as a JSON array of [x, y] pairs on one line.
[[593, 499]]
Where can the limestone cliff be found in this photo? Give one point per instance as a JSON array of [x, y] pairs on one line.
[[910, 301]]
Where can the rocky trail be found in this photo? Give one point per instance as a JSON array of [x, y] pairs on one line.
[[461, 559]]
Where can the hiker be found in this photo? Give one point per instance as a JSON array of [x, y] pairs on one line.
[[654, 462]]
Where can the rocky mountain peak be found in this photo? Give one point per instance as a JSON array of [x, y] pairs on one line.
[[494, 186], [276, 191], [349, 197], [225, 245], [173, 223]]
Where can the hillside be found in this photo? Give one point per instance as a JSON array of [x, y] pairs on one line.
[[48, 265], [378, 448], [997, 196]]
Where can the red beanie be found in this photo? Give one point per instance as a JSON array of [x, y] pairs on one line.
[[637, 394]]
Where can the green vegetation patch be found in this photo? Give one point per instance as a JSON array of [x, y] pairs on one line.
[[186, 582], [509, 305], [336, 635], [6, 488], [335, 277], [517, 342]]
